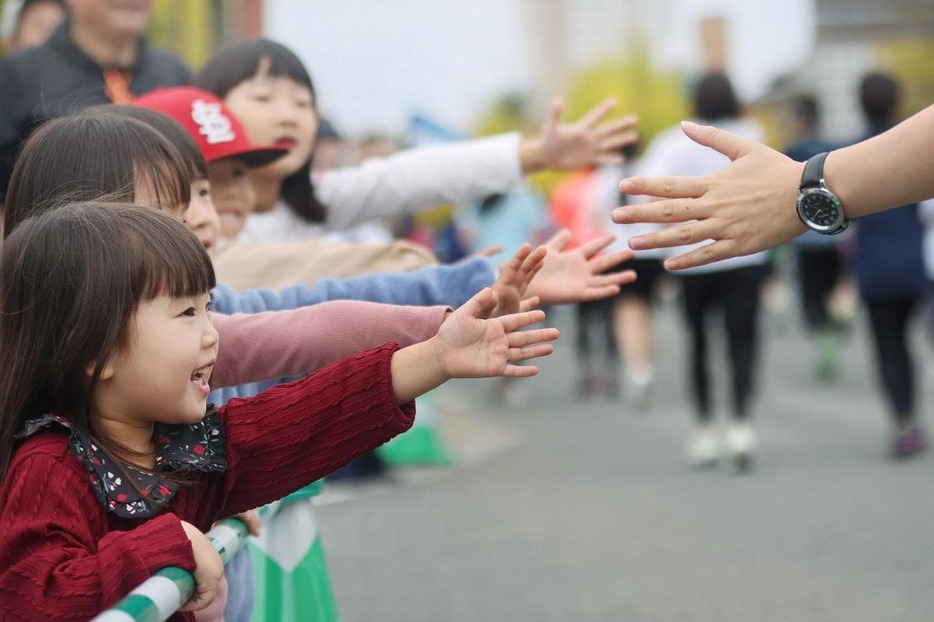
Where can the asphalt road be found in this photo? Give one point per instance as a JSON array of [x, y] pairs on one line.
[[563, 510]]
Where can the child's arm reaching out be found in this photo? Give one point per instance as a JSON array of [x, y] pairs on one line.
[[470, 347], [580, 274], [276, 344], [292, 434]]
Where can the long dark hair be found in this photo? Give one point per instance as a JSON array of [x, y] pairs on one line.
[[70, 281], [239, 62], [87, 157]]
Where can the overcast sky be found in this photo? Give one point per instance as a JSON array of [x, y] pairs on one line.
[[374, 62]]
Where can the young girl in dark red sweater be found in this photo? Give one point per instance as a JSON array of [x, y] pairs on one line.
[[111, 463]]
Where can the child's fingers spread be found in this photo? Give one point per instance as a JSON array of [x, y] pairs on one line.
[[599, 293], [482, 301], [489, 251], [529, 303], [616, 278], [528, 337], [559, 240], [601, 263], [598, 112], [596, 245], [521, 255], [533, 263], [518, 320], [519, 371], [616, 126], [530, 352]]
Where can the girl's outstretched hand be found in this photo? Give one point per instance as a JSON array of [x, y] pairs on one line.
[[514, 279], [469, 346], [209, 569], [589, 141], [577, 275]]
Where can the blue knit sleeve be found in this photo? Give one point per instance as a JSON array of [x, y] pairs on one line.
[[450, 285]]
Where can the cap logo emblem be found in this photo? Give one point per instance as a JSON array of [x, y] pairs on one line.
[[213, 124]]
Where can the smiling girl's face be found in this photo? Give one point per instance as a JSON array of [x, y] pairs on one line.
[[276, 110]]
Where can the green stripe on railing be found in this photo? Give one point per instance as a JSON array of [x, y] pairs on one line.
[[161, 595]]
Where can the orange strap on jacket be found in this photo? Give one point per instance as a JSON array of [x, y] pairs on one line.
[[117, 86]]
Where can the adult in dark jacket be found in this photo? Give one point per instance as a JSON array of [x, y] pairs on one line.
[[98, 55], [889, 268]]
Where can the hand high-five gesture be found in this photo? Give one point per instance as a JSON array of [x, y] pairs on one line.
[[469, 346], [578, 275], [744, 208], [589, 141]]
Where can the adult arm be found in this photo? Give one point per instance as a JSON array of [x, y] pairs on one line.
[[750, 205], [277, 344], [53, 564]]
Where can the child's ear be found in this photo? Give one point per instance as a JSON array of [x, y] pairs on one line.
[[106, 374]]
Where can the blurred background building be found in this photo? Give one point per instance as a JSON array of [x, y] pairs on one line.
[[491, 65]]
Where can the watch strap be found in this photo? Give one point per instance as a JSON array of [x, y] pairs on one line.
[[813, 171]]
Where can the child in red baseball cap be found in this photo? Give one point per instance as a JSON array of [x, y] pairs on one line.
[[225, 146]]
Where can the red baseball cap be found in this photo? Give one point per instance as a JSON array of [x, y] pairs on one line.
[[216, 130]]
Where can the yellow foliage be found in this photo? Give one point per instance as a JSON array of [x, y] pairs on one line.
[[509, 113], [658, 98], [185, 27], [909, 60]]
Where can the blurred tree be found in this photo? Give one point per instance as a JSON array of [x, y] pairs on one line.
[[2, 2], [909, 59], [509, 113], [187, 27], [657, 97]]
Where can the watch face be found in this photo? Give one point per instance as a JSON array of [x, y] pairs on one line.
[[820, 210]]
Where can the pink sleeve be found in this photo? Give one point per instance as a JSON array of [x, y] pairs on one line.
[[276, 344]]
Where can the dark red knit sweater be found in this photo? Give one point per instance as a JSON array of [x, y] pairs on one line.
[[64, 557]]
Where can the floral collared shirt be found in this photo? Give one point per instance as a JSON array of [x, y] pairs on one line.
[[179, 448]]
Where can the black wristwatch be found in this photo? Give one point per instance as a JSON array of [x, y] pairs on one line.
[[818, 207]]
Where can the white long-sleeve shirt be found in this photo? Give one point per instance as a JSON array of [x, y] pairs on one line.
[[403, 183]]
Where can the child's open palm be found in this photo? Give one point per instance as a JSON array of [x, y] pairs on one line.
[[578, 275], [473, 347]]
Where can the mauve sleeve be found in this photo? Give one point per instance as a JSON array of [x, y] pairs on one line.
[[277, 344]]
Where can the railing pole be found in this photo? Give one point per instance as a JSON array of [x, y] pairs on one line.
[[161, 595]]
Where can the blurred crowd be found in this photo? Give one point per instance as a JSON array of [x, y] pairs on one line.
[[295, 212]]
